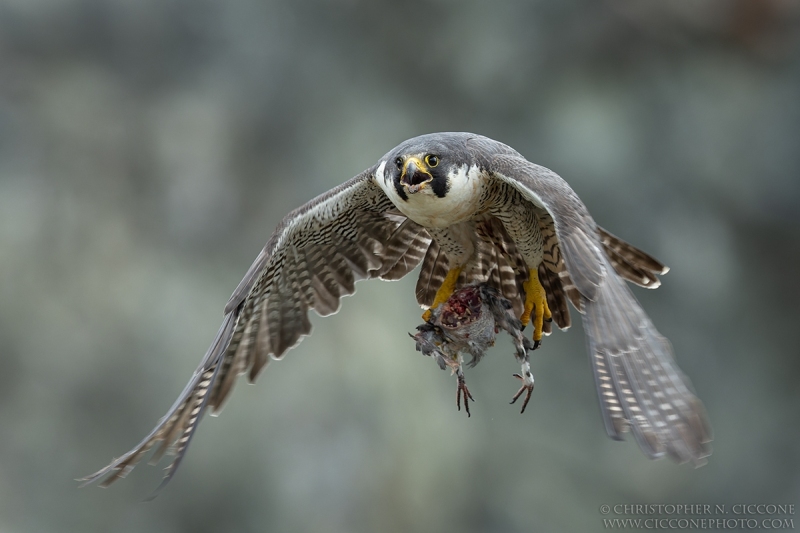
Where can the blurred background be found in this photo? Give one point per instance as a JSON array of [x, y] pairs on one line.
[[148, 148]]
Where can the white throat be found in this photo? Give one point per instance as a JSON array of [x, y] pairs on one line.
[[460, 203]]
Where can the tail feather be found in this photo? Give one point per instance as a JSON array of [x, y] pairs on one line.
[[638, 383]]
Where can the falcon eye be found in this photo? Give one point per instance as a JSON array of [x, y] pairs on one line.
[[431, 160], [399, 163]]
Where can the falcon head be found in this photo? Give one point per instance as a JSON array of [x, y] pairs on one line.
[[428, 165], [435, 179], [419, 173]]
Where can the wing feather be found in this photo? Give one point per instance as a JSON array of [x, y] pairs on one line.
[[259, 357], [313, 258], [633, 260], [434, 270], [404, 250], [174, 422], [499, 263], [638, 383]]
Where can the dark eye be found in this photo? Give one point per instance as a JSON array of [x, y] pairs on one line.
[[399, 163], [431, 160]]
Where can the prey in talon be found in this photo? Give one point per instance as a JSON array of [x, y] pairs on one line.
[[467, 323]]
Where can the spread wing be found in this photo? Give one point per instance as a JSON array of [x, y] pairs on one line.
[[638, 382], [313, 258]]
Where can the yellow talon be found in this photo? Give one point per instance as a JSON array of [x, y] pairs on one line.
[[445, 291], [536, 303]]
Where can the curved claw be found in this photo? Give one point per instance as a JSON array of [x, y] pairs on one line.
[[462, 390], [527, 385]]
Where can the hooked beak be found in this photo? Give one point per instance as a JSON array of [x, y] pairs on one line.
[[414, 177]]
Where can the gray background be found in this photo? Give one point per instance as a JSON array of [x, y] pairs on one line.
[[148, 149]]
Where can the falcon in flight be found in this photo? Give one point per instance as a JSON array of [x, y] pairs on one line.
[[473, 211]]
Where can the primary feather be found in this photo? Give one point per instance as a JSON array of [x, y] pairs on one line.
[[486, 209]]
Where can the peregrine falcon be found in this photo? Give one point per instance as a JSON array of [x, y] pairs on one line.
[[470, 210]]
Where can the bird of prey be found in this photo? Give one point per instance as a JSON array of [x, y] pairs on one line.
[[471, 210]]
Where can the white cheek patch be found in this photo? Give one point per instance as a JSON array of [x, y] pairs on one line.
[[465, 188], [379, 175], [387, 185], [459, 203]]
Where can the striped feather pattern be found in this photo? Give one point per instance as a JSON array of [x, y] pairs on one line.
[[556, 298], [638, 383], [631, 263], [556, 276], [569, 287], [404, 250], [174, 431], [509, 281], [354, 232], [312, 260], [434, 269], [499, 263], [551, 253]]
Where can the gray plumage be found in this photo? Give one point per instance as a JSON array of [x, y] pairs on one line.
[[364, 229]]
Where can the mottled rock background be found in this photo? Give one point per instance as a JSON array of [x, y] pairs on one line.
[[148, 148]]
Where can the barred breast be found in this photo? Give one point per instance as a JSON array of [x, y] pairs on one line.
[[519, 218]]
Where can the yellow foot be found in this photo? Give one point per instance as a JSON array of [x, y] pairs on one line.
[[445, 291], [536, 304]]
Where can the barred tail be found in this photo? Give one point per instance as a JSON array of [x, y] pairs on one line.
[[638, 383]]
